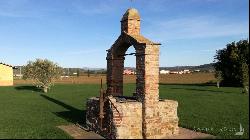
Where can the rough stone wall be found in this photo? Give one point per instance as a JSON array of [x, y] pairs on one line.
[[168, 118], [93, 120], [127, 120], [124, 121]]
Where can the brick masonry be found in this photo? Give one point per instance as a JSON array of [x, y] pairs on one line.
[[146, 116]]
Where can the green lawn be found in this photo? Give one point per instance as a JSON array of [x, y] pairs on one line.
[[27, 113]]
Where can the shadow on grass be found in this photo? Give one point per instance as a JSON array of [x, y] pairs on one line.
[[198, 84], [186, 87], [208, 84], [31, 88], [194, 89], [74, 115]]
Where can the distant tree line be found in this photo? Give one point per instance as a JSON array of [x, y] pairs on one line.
[[232, 65], [66, 71], [81, 72]]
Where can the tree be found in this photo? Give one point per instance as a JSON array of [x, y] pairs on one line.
[[245, 78], [88, 73], [218, 76], [233, 64], [42, 72]]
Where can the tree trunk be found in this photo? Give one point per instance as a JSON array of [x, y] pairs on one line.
[[245, 89], [45, 89], [218, 84]]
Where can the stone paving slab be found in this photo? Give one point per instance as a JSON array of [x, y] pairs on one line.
[[190, 134], [78, 133]]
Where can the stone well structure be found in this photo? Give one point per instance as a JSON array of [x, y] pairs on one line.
[[143, 115]]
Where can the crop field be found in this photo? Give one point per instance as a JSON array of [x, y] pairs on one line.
[[25, 112], [194, 78]]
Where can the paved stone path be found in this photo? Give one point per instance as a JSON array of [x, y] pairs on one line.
[[190, 134], [78, 133]]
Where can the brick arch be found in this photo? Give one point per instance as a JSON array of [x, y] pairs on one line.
[[147, 65], [115, 63], [123, 43]]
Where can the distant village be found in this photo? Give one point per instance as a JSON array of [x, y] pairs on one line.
[[206, 68], [186, 71]]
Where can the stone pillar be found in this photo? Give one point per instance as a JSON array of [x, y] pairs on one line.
[[140, 72], [150, 115], [115, 68]]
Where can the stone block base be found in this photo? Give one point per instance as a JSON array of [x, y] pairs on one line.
[[123, 118]]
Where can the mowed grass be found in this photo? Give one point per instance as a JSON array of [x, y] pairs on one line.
[[28, 113]]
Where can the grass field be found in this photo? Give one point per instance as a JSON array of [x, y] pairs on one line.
[[28, 113]]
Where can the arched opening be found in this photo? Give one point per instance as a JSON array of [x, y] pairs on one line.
[[126, 46], [129, 72]]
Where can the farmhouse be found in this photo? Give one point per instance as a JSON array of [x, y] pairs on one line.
[[6, 74]]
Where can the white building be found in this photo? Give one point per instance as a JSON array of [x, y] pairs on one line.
[[197, 70], [164, 72], [174, 72], [186, 71]]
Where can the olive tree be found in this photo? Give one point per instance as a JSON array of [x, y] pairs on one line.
[[43, 73]]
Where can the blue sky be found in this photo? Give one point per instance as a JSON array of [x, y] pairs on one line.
[[77, 33]]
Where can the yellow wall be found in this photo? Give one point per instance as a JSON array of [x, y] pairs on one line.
[[6, 75]]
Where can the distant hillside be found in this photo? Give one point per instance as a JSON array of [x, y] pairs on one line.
[[202, 68]]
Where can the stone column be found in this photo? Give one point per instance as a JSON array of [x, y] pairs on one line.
[[140, 72], [115, 68], [150, 114]]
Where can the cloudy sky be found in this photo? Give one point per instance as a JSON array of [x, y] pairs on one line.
[[77, 33]]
